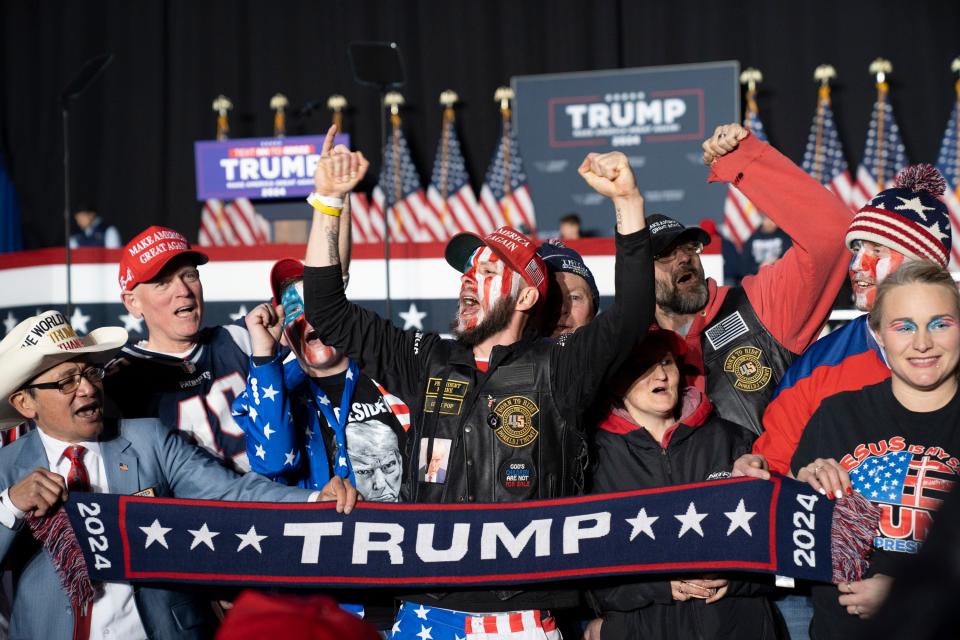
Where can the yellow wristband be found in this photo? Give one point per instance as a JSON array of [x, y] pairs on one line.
[[314, 200]]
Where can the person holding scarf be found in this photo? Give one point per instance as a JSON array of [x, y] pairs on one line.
[[658, 432], [895, 442]]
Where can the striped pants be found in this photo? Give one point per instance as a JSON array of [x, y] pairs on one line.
[[418, 622]]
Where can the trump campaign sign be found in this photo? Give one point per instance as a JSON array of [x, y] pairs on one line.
[[657, 116], [258, 168]]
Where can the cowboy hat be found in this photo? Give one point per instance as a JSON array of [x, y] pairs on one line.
[[44, 341]]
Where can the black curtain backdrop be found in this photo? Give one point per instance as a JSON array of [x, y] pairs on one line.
[[133, 131]]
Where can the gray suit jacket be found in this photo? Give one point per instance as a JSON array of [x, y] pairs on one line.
[[154, 457]]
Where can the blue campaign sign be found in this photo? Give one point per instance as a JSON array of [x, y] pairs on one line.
[[261, 168], [657, 116]]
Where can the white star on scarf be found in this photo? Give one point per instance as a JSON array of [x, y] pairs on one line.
[[341, 461], [155, 533], [324, 400], [253, 413], [203, 535], [267, 431], [691, 521], [740, 519], [261, 452], [250, 539], [269, 393], [642, 524], [288, 458], [349, 375]]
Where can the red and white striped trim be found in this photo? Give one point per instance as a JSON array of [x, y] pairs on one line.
[[517, 625], [889, 229], [397, 406]]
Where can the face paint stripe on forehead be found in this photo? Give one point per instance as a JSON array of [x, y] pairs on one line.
[[292, 301]]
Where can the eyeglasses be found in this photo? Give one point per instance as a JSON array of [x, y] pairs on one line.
[[689, 248], [72, 382]]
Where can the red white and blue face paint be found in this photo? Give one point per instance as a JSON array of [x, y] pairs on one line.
[[488, 280], [302, 339], [870, 265]]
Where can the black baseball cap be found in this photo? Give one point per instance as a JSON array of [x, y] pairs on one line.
[[666, 232]]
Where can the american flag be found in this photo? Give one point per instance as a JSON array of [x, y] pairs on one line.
[[904, 479], [948, 164], [504, 197], [232, 224], [366, 224], [411, 217], [884, 155], [450, 192], [740, 217], [823, 158]]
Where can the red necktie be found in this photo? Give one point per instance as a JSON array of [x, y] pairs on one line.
[[77, 478]]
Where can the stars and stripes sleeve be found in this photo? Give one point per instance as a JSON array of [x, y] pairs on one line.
[[263, 412]]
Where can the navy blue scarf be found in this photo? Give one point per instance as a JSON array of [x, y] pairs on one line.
[[778, 527]]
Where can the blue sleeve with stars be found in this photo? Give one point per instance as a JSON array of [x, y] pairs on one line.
[[263, 412]]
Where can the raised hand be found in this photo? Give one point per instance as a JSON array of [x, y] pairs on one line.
[[609, 174], [725, 139], [265, 324], [339, 169]]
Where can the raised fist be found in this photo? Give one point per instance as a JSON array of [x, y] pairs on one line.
[[725, 139], [265, 324], [609, 174]]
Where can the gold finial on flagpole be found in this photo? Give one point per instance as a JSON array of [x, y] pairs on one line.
[[751, 77], [394, 100], [279, 103], [880, 68], [449, 98], [222, 105], [955, 67], [824, 74], [503, 95], [337, 103]]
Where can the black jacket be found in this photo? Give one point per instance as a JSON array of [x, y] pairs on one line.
[[702, 446], [526, 409]]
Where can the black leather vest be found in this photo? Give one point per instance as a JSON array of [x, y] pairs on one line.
[[742, 362], [506, 439]]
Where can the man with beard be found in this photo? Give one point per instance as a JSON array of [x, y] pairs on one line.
[[740, 340], [509, 403]]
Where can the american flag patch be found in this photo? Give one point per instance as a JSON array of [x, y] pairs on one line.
[[535, 272], [727, 330]]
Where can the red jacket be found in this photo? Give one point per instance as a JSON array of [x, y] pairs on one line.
[[792, 297]]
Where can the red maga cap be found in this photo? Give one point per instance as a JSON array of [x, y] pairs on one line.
[[283, 269], [149, 252], [514, 248]]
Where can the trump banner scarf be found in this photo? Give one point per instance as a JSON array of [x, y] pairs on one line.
[[779, 527]]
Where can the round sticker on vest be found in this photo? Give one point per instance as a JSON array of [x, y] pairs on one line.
[[516, 421], [517, 476], [749, 372]]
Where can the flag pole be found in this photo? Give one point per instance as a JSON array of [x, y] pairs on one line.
[[880, 68], [393, 100], [955, 67], [822, 74], [751, 77], [448, 98], [504, 95]]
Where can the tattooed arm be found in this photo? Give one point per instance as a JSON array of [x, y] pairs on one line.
[[338, 172]]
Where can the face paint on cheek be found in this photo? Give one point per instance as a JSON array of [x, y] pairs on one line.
[[292, 301], [863, 267], [887, 265]]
